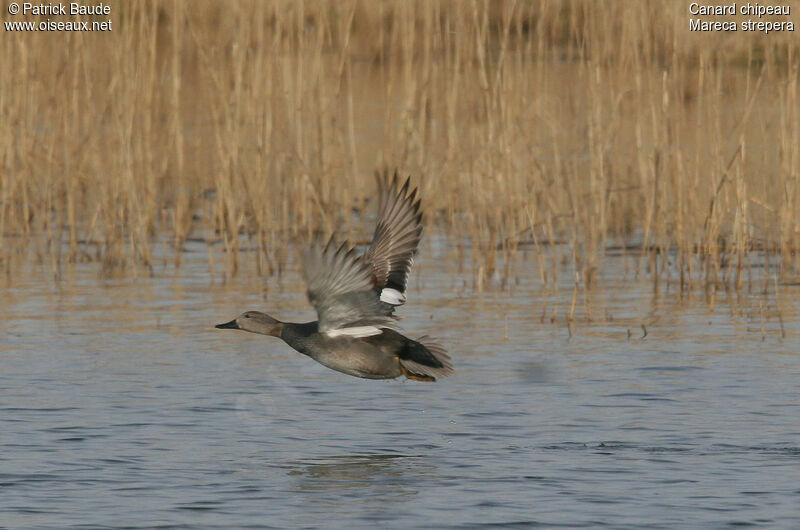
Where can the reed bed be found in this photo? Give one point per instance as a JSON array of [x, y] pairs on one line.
[[574, 129]]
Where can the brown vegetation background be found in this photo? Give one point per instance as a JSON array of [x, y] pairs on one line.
[[574, 128]]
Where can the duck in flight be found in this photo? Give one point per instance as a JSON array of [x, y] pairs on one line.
[[355, 298]]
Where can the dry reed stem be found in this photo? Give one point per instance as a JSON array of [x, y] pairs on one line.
[[599, 124]]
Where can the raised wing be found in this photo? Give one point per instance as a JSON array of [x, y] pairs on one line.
[[396, 239], [340, 288]]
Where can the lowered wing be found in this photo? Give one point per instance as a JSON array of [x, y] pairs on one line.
[[340, 287]]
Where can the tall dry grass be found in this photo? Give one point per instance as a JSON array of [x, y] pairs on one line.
[[577, 128]]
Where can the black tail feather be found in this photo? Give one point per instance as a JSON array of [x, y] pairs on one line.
[[424, 356]]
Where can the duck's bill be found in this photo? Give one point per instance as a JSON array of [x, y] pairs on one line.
[[228, 325]]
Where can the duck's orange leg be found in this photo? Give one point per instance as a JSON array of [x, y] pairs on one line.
[[412, 375]]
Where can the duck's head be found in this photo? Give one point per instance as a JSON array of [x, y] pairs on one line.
[[254, 322]]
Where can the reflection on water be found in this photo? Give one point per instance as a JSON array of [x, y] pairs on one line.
[[358, 471], [372, 483], [122, 406]]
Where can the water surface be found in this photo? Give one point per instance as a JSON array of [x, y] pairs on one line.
[[121, 406]]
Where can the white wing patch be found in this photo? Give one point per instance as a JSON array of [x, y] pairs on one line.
[[392, 296], [356, 331]]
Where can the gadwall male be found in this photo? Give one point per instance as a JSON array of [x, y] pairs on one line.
[[355, 297]]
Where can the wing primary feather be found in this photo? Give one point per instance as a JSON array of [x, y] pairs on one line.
[[397, 234]]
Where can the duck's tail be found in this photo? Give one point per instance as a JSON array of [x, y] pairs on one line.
[[425, 360]]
